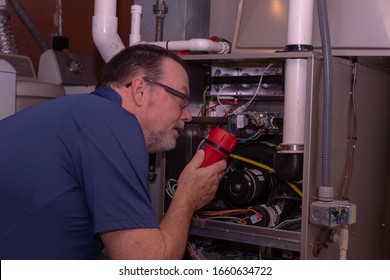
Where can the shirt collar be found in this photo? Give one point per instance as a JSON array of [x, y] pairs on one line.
[[108, 93]]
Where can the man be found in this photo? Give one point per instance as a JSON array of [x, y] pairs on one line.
[[73, 171]]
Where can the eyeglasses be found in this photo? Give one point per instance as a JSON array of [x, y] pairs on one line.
[[184, 98]]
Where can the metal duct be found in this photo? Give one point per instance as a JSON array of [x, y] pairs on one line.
[[7, 41], [30, 25]]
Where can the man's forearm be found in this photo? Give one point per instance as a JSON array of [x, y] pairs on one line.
[[175, 225]]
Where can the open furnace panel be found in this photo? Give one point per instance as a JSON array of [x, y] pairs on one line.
[[257, 214]]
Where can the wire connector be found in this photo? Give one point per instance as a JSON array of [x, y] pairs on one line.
[[239, 110]]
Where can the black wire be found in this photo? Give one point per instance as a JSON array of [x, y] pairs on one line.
[[322, 242], [297, 199]]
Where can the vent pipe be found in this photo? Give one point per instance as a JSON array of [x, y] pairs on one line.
[[135, 34], [7, 40], [289, 159], [105, 29], [106, 38], [29, 24]]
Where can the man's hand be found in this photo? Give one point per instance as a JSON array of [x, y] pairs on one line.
[[199, 185]]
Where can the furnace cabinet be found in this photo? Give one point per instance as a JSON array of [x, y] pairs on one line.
[[291, 236]]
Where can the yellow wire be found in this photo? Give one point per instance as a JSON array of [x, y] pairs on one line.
[[294, 188], [266, 167]]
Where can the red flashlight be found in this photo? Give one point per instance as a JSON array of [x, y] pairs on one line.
[[218, 145]]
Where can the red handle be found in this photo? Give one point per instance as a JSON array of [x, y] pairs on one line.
[[219, 144]]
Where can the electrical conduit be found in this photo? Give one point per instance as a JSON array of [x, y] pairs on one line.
[[325, 191]]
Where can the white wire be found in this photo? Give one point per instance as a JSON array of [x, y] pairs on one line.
[[220, 103], [258, 86], [240, 109]]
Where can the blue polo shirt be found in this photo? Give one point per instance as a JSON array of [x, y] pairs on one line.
[[70, 169]]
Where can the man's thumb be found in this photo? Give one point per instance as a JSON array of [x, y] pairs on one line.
[[198, 158]]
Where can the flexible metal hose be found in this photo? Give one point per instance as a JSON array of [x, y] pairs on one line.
[[7, 41], [28, 22]]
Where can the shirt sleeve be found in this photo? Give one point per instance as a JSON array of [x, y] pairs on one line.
[[113, 169]]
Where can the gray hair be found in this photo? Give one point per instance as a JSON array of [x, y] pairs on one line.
[[142, 59]]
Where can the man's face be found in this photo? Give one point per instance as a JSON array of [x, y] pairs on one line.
[[168, 112]]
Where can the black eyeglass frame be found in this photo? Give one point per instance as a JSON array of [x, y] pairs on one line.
[[184, 97]]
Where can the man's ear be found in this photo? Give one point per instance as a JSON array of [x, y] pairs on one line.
[[137, 86]]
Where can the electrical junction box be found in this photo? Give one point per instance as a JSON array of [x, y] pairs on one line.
[[333, 213]]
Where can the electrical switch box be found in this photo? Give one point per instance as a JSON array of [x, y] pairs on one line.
[[333, 213]]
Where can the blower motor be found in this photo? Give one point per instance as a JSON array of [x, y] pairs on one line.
[[244, 186]]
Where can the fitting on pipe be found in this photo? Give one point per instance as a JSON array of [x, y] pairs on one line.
[[298, 48], [288, 162], [325, 193], [160, 10], [105, 36]]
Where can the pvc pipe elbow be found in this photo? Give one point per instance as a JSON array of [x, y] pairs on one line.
[[199, 44], [105, 36]]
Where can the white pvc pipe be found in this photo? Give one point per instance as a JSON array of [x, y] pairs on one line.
[[104, 29], [341, 239], [196, 44], [300, 22], [294, 101], [300, 25], [105, 8], [108, 42], [135, 34]]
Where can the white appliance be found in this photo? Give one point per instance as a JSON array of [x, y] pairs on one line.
[[76, 73], [8, 89], [28, 90]]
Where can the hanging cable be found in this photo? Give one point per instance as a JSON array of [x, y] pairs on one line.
[[352, 139]]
